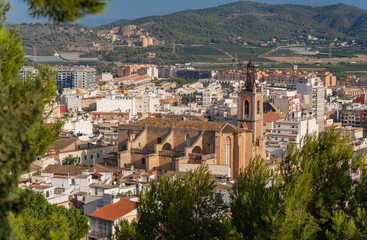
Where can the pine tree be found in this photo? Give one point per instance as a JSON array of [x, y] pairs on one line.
[[22, 134], [331, 161], [255, 201], [181, 209], [43, 220]]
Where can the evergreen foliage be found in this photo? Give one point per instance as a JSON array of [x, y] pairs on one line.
[[181, 209], [42, 220], [70, 160], [22, 132], [66, 10], [313, 197]]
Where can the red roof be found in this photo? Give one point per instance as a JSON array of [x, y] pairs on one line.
[[360, 100], [270, 117], [113, 212], [98, 175], [62, 109]]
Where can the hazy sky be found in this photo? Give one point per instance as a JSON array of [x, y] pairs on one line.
[[130, 9]]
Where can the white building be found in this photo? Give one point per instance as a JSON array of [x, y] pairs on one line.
[[104, 220], [289, 131], [313, 93], [210, 95], [25, 71], [116, 103], [79, 126], [71, 100]]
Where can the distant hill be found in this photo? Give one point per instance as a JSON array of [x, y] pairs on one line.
[[253, 21], [46, 38], [232, 23]]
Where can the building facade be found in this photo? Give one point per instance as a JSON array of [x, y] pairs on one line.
[[75, 77]]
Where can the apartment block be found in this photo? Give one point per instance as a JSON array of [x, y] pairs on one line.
[[75, 77]]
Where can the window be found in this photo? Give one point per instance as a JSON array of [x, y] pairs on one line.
[[97, 155], [258, 107], [159, 140], [85, 158], [91, 156], [187, 143], [247, 109], [228, 151], [143, 161], [211, 145]]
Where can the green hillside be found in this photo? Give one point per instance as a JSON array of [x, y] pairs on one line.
[[253, 21]]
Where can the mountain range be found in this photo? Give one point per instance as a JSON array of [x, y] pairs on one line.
[[236, 22], [253, 21]]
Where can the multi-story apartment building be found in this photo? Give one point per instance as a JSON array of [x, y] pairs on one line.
[[278, 77], [353, 117], [166, 71], [289, 131], [313, 93], [141, 70], [75, 77], [24, 71], [194, 74], [210, 95], [237, 75]]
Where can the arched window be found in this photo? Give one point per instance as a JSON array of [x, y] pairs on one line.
[[247, 109], [187, 143], [211, 145], [228, 151], [258, 107], [167, 146]]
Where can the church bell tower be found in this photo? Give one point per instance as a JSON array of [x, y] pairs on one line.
[[250, 109]]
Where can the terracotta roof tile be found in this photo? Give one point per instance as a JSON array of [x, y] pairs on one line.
[[61, 144], [270, 117], [64, 169], [197, 125], [34, 167], [112, 212]]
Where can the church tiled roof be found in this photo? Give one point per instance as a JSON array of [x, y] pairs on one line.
[[197, 125]]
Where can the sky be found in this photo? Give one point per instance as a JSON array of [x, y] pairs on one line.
[[131, 9]]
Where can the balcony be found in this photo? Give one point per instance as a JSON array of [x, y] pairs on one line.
[[97, 235]]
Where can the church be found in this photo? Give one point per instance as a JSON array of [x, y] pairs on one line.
[[182, 144]]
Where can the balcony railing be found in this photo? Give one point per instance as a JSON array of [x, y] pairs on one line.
[[98, 234]]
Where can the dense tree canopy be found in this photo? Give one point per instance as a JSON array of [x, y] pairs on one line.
[[313, 197], [181, 209], [42, 220], [22, 132]]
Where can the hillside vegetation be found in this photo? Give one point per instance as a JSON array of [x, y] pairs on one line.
[[250, 21], [228, 27]]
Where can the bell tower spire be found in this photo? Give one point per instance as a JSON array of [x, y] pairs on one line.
[[250, 108]]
